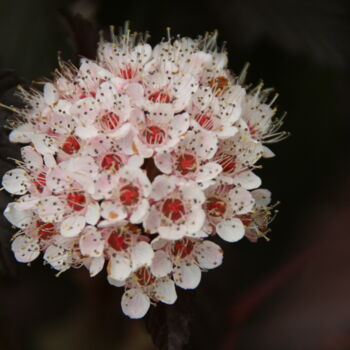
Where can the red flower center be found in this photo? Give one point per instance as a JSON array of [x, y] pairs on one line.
[[173, 209], [154, 135], [252, 129], [117, 241], [40, 182], [129, 194], [160, 96], [219, 85], [182, 248], [246, 219], [205, 121], [45, 230], [111, 161], [76, 201], [71, 145], [228, 163], [127, 73], [186, 163], [144, 276], [110, 121], [91, 93], [216, 206]]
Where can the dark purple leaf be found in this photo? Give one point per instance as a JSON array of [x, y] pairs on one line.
[[170, 325], [83, 33]]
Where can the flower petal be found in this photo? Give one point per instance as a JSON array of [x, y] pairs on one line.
[[58, 257], [22, 134], [91, 243], [141, 254], [187, 276], [209, 255], [96, 265], [165, 291], [119, 267], [25, 248], [161, 264], [72, 226], [16, 181], [230, 230], [18, 218], [92, 214], [135, 304]]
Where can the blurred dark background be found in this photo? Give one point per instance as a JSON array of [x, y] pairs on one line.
[[291, 293]]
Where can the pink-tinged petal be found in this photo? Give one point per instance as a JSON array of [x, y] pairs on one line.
[[57, 180], [227, 131], [49, 160], [173, 232], [32, 158], [72, 226], [25, 248], [162, 185], [247, 180], [50, 94], [159, 243], [16, 181], [104, 186], [163, 162], [26, 202], [84, 165], [86, 132], [112, 212], [140, 213], [58, 257], [152, 220], [185, 88], [96, 265], [62, 108], [135, 161], [161, 264], [18, 218], [22, 134], [115, 282], [192, 193], [106, 95], [230, 230], [141, 149], [44, 144], [92, 214], [165, 291], [135, 304], [267, 153], [208, 171], [209, 255], [119, 267], [136, 93], [85, 111], [51, 209], [187, 276], [194, 221], [91, 243], [204, 143], [141, 255], [241, 201], [178, 125], [121, 132], [262, 197]]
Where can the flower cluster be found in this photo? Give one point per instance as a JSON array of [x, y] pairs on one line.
[[136, 160]]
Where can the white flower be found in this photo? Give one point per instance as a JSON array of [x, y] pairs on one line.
[[177, 209], [134, 160]]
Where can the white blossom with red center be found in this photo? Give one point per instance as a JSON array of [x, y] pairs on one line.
[[176, 209], [135, 160]]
